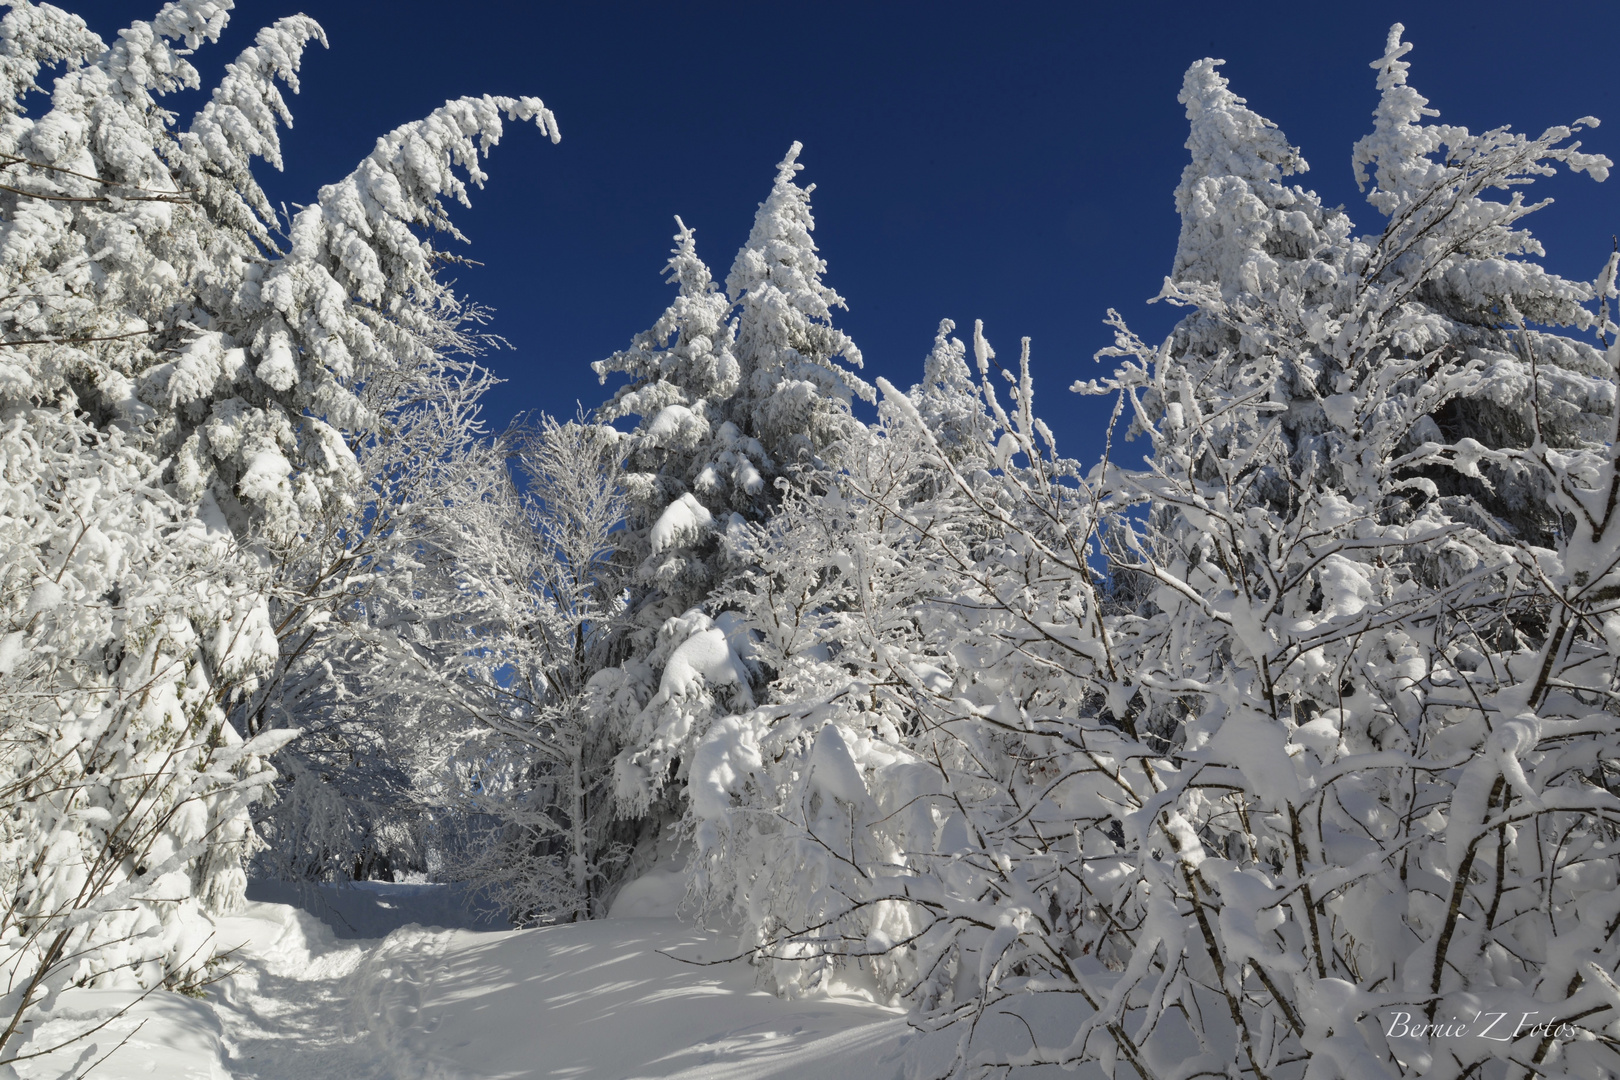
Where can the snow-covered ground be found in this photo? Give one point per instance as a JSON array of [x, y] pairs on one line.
[[609, 1000]]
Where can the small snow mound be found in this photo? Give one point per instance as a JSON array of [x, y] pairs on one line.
[[288, 942], [654, 895], [163, 1034]]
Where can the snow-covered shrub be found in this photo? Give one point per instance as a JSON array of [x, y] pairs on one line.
[[784, 801], [928, 577], [553, 598], [1260, 759], [180, 397], [450, 690], [364, 773]]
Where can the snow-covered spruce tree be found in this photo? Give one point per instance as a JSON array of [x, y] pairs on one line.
[[1462, 259], [794, 396], [175, 388], [726, 407], [948, 401], [685, 451]]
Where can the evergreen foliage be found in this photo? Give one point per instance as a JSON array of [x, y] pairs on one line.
[[183, 392], [733, 396]]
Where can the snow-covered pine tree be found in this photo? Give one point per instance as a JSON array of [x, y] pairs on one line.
[[686, 460], [178, 393], [689, 469], [795, 396], [948, 400], [1457, 266], [725, 409], [128, 611]]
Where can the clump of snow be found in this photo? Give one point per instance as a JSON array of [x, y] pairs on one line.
[[266, 475], [1345, 588], [277, 369], [705, 657], [833, 768], [683, 522], [656, 894], [727, 753]]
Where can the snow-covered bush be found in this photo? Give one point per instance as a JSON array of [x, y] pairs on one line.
[[1260, 759], [358, 787], [538, 566], [182, 390], [444, 702]]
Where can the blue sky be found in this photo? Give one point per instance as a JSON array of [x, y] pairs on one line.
[[1008, 162]]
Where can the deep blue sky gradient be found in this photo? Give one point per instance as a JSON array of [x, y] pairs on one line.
[[1009, 162]]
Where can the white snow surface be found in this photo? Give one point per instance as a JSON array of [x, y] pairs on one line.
[[615, 999]]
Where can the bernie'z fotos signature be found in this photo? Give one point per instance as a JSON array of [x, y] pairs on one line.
[[1485, 1025]]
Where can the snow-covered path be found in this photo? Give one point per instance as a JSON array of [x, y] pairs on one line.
[[616, 999], [619, 999], [287, 1010], [603, 1001], [600, 1001]]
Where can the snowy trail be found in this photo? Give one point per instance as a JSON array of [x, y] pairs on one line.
[[606, 1000], [286, 1011], [602, 1001], [599, 1001]]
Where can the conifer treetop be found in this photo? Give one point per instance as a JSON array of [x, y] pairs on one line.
[[785, 335], [1237, 216]]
